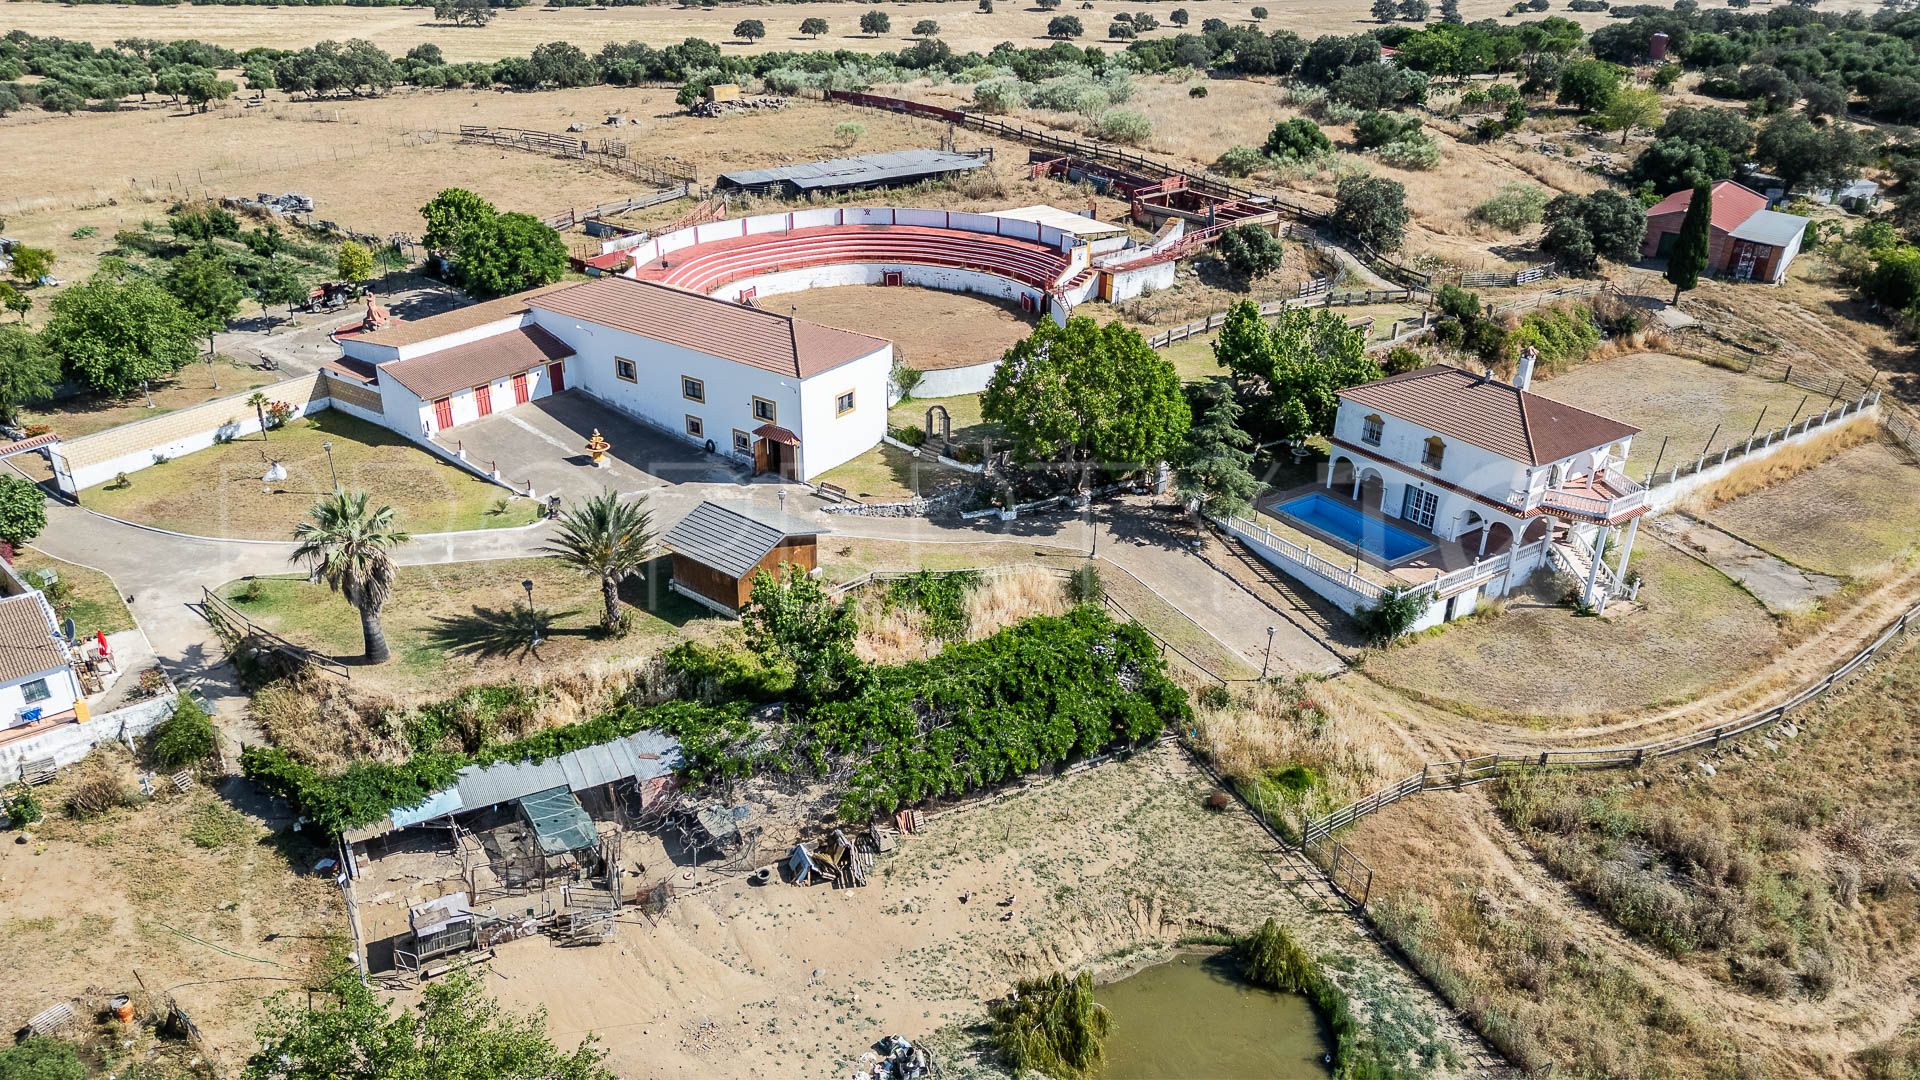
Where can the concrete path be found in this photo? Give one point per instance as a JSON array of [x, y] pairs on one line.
[[545, 443], [162, 575]]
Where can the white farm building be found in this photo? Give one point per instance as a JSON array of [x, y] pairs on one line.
[[796, 397]]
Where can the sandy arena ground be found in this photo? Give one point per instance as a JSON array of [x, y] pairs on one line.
[[929, 329], [789, 981]]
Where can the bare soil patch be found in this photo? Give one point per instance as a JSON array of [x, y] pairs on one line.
[[1105, 869], [1683, 402], [930, 329], [1857, 516], [220, 927], [1540, 664]]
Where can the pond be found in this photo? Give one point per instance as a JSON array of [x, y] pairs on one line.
[[1193, 1017]]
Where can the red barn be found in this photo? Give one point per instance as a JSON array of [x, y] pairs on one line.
[[1748, 241]]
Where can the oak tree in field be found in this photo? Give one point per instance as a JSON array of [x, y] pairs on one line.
[[813, 28], [1088, 393], [875, 23], [749, 30], [112, 333]]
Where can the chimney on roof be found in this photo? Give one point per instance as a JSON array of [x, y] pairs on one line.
[[1523, 374]]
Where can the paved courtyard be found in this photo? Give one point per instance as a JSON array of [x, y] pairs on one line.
[[544, 443]]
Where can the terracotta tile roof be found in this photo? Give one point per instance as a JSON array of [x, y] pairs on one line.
[[1732, 204], [437, 374], [745, 335], [1490, 414], [27, 645], [415, 331]]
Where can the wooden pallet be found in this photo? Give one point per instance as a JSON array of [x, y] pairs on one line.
[[183, 780], [36, 771], [51, 1019]]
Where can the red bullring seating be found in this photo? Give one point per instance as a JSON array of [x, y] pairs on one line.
[[706, 267]]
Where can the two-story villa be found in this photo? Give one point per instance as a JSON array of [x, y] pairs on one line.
[[1490, 466]]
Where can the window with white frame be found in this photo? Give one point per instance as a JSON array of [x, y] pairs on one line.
[[35, 691], [693, 389]]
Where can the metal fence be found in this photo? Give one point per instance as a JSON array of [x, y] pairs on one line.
[[568, 218], [1465, 772], [1758, 443]]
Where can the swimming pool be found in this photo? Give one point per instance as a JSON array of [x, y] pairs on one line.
[[1344, 524]]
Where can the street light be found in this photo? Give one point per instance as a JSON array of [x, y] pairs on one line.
[[328, 447], [533, 621], [1268, 662]]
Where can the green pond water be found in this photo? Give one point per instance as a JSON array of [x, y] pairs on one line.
[[1191, 1018]]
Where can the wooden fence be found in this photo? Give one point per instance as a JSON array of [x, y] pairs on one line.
[[1465, 772], [1203, 182], [1703, 344], [568, 218], [225, 616], [610, 154], [1902, 431], [1564, 292], [1498, 279]]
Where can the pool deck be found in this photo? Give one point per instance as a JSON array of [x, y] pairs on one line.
[[1445, 555]]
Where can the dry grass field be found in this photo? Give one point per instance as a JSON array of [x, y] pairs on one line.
[[1753, 917], [184, 895], [517, 31], [1856, 516], [1530, 661], [218, 491], [81, 593], [1677, 399]]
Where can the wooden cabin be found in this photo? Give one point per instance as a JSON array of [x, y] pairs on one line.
[[717, 550]]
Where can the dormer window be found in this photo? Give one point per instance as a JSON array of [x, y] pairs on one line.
[[1435, 454], [1370, 430]]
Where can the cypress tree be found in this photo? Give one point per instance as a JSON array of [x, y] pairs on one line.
[[1689, 255]]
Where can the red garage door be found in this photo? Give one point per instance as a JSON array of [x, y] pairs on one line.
[[443, 414], [483, 396]]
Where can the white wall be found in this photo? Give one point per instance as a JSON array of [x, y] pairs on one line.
[[1128, 284], [928, 277], [706, 233], [243, 422], [1665, 496], [827, 438], [69, 743], [466, 403], [62, 687], [952, 382]]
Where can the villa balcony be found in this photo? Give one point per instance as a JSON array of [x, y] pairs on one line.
[[1603, 496]]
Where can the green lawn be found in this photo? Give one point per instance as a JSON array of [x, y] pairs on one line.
[[82, 594], [218, 491], [451, 624]]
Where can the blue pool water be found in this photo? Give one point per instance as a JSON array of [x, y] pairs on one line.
[[1336, 520]]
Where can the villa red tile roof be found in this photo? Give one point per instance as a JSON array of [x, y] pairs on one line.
[[1732, 204], [752, 336], [437, 374], [1490, 414]]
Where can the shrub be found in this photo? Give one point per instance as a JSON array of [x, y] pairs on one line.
[[912, 436], [1513, 207], [1417, 153], [1083, 586], [23, 807], [1249, 251], [98, 793], [185, 738], [1297, 140], [1393, 614], [941, 596], [1371, 210], [1124, 126], [1051, 1025], [1400, 360], [1376, 129], [23, 510], [1240, 160], [848, 132]]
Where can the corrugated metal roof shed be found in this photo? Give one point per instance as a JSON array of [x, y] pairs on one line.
[[730, 541], [864, 171], [1771, 227]]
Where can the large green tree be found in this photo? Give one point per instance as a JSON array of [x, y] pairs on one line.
[[456, 1033], [349, 545], [792, 623], [1589, 85], [1288, 375], [1087, 391], [1213, 472], [354, 262], [112, 333], [23, 509], [206, 286], [449, 215], [1372, 210], [30, 263], [508, 253], [606, 537], [1690, 248], [28, 372]]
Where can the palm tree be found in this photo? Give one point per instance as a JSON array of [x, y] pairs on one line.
[[347, 546], [258, 400], [607, 537]]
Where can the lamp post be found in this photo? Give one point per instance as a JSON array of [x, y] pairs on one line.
[[533, 622], [1268, 662], [328, 447]]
